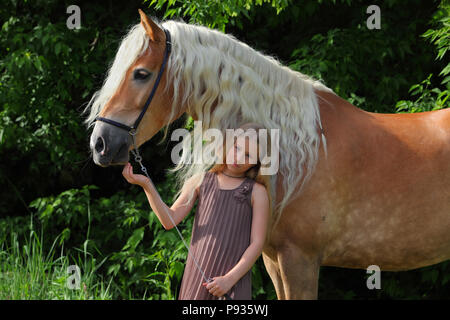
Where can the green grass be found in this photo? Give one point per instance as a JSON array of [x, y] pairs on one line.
[[27, 273]]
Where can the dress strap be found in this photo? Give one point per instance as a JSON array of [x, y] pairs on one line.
[[206, 180], [244, 191]]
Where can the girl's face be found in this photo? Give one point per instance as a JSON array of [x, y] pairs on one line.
[[243, 155]]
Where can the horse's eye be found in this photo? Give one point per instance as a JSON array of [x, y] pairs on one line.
[[141, 74]]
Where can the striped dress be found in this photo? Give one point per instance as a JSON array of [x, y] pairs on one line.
[[220, 235]]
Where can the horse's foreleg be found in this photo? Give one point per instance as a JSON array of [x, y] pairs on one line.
[[299, 274], [273, 269]]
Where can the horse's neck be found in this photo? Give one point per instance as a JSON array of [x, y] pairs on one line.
[[346, 129], [330, 103], [338, 115]]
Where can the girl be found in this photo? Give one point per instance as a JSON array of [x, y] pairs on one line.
[[230, 224]]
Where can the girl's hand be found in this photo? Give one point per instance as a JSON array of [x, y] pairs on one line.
[[138, 179], [219, 286]]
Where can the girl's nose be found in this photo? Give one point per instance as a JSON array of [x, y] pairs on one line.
[[241, 157]]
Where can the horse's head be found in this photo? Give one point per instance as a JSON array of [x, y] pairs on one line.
[[128, 93]]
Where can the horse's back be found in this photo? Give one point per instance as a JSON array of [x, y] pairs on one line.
[[383, 193]]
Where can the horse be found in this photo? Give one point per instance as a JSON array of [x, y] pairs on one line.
[[354, 188]]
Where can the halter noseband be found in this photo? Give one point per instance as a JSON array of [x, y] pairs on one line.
[[132, 130]]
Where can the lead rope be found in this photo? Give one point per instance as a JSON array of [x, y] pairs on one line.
[[138, 159]]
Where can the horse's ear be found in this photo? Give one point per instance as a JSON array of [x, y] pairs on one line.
[[153, 31]]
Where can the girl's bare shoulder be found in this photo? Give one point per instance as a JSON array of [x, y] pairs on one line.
[[259, 187], [259, 192], [193, 181], [190, 183]]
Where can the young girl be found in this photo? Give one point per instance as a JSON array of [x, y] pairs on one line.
[[230, 225]]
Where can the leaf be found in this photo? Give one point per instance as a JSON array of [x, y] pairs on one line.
[[156, 273], [65, 235], [445, 71], [37, 64], [58, 48], [114, 269], [176, 268], [45, 39], [135, 239]]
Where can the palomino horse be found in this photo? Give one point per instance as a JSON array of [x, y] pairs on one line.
[[379, 195]]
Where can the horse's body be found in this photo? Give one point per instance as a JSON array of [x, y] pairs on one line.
[[381, 196]]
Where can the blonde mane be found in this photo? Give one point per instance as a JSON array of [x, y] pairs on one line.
[[132, 46], [221, 74]]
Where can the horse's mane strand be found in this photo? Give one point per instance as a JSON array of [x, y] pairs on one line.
[[219, 73], [132, 46]]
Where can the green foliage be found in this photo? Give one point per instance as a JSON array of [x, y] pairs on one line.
[[143, 259], [429, 98], [214, 14], [47, 74], [353, 68], [36, 85], [27, 272]]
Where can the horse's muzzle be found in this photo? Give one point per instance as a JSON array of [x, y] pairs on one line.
[[109, 145]]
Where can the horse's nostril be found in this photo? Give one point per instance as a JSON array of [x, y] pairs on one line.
[[100, 145]]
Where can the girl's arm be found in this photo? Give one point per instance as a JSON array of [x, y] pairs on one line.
[[260, 216], [258, 234], [177, 211]]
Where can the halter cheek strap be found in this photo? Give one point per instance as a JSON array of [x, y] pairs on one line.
[[132, 130]]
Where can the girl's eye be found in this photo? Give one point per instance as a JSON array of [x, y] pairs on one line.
[[141, 74], [236, 147]]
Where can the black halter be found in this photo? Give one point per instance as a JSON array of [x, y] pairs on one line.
[[132, 130]]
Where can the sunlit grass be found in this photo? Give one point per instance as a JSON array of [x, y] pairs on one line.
[[27, 273]]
